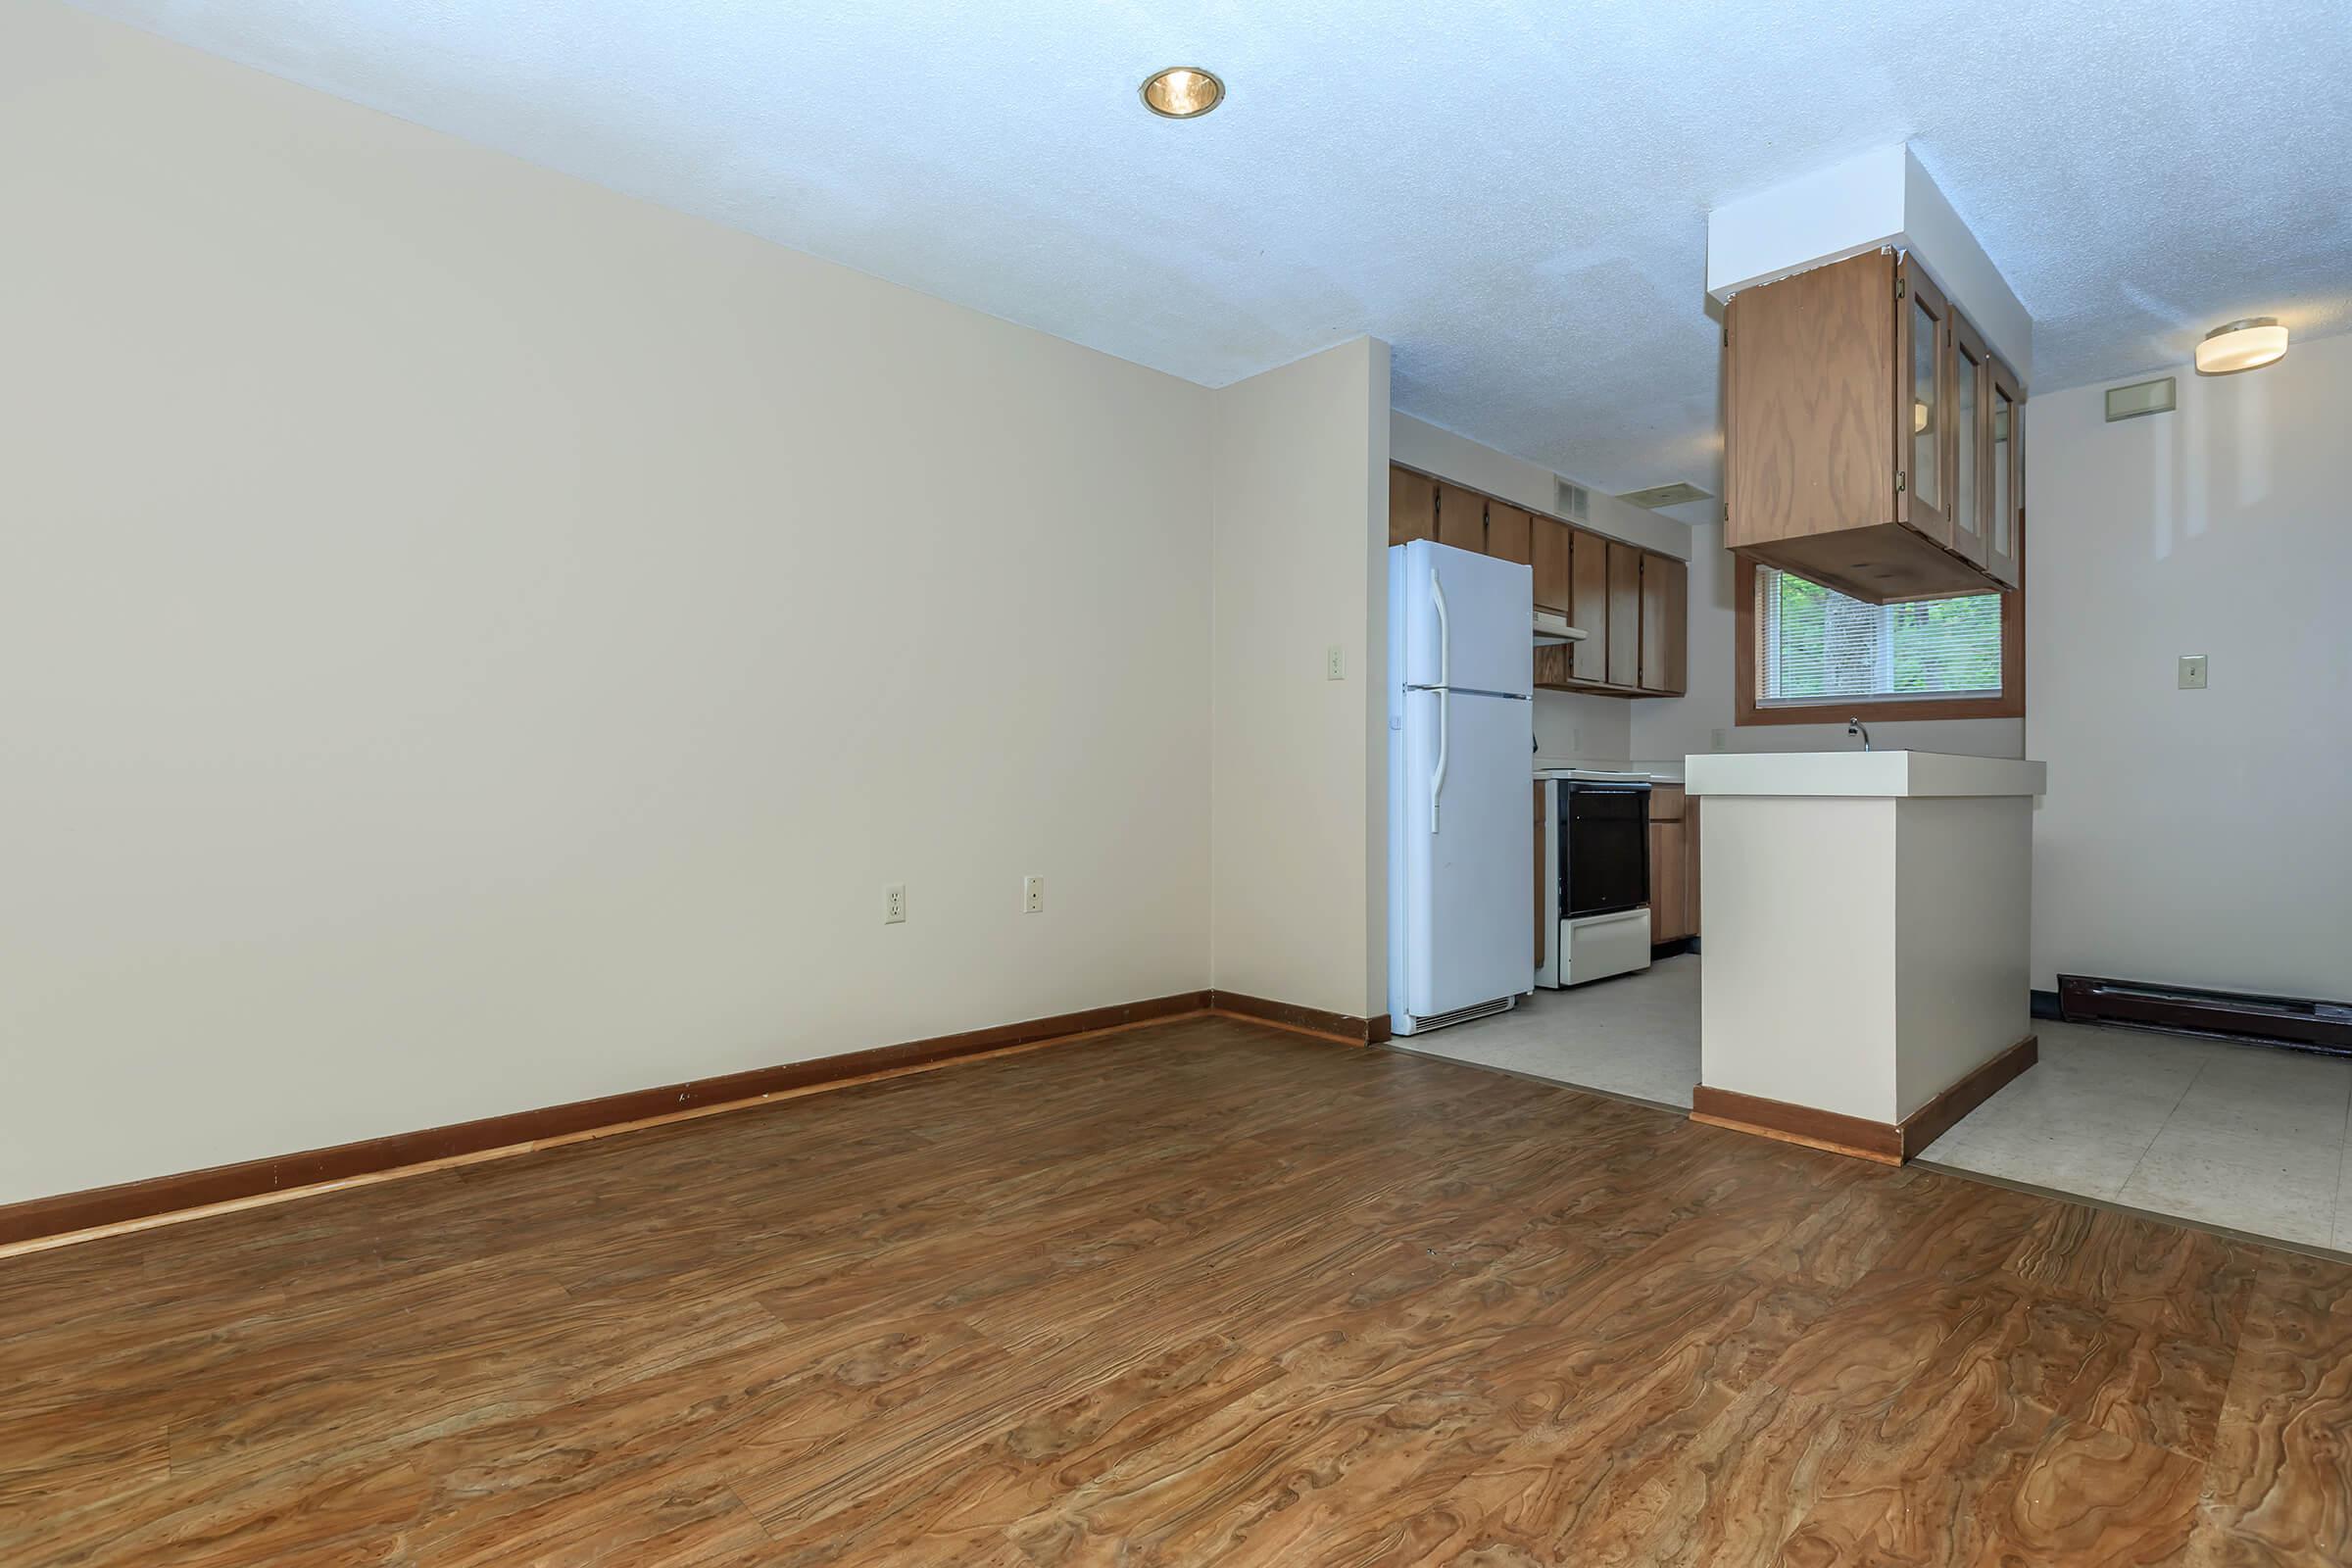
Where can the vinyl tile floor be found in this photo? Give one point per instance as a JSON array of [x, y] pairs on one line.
[[1636, 1035], [2247, 1138]]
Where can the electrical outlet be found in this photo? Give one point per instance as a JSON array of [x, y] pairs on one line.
[[1033, 895], [1334, 663], [1715, 740], [2192, 672], [894, 903]]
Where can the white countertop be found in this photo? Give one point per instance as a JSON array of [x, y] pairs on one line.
[[1897, 774], [1655, 773]]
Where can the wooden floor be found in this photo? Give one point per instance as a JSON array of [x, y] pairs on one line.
[[1202, 1292]]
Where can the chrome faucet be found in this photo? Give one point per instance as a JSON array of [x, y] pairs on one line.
[[1855, 726]]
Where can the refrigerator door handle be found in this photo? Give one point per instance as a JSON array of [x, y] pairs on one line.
[[1437, 594], [1437, 776]]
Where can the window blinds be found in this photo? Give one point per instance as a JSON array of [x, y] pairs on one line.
[[1816, 645]]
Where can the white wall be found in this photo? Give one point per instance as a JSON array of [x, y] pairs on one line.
[[2195, 837], [471, 641], [1665, 727], [1797, 1000], [1299, 791], [1963, 874]]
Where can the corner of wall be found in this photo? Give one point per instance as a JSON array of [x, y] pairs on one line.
[[1299, 493]]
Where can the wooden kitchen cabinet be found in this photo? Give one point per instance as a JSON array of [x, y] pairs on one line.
[[2005, 474], [1462, 517], [1971, 442], [1624, 633], [1858, 431], [1509, 533], [1665, 624], [1539, 873], [1549, 546], [1690, 858], [1412, 506], [1673, 865], [1667, 885], [1588, 609]]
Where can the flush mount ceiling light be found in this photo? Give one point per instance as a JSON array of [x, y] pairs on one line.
[[2247, 345], [1182, 92]]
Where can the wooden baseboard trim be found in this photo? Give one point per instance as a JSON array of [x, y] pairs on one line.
[[1938, 1115], [43, 1222], [1814, 1128], [1339, 1026], [1888, 1142]]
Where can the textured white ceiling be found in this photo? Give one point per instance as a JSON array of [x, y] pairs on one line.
[[1513, 195]]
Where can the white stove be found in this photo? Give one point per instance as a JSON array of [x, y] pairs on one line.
[[1596, 837]]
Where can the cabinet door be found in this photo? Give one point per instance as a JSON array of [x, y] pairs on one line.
[[1588, 609], [1810, 381], [1548, 545], [1971, 441], [1666, 882], [1539, 873], [1412, 507], [1665, 615], [1690, 858], [2005, 485], [1508, 533], [1624, 615], [1462, 517], [1923, 376]]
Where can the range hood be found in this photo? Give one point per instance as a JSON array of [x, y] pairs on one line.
[[1552, 631]]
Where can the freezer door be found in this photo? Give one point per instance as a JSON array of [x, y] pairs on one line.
[[1473, 629], [1466, 923]]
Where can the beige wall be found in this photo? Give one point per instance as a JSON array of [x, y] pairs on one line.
[[1676, 726], [2200, 837], [471, 641], [1299, 793]]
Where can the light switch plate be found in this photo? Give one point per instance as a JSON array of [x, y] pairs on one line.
[[1334, 663], [2192, 672]]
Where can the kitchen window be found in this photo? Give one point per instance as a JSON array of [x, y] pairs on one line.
[[1809, 655]]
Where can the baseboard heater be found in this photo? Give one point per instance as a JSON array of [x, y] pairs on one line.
[[2297, 1024]]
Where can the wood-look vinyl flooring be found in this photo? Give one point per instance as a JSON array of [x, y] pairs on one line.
[[1199, 1293]]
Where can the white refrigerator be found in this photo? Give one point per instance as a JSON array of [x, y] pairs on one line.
[[1461, 828]]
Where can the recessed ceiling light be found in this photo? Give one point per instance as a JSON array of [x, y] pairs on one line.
[[2247, 345], [1183, 92]]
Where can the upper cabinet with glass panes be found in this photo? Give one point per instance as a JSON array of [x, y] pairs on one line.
[[1872, 442]]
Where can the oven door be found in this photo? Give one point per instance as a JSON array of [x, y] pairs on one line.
[[1604, 848]]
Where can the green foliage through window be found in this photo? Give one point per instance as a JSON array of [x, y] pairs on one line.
[[1820, 646]]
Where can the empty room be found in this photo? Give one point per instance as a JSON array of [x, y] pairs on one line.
[[836, 784]]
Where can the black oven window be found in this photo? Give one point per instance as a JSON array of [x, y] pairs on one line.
[[1604, 849]]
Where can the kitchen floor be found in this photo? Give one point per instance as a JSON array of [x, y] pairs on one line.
[[1636, 1035], [2248, 1137]]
